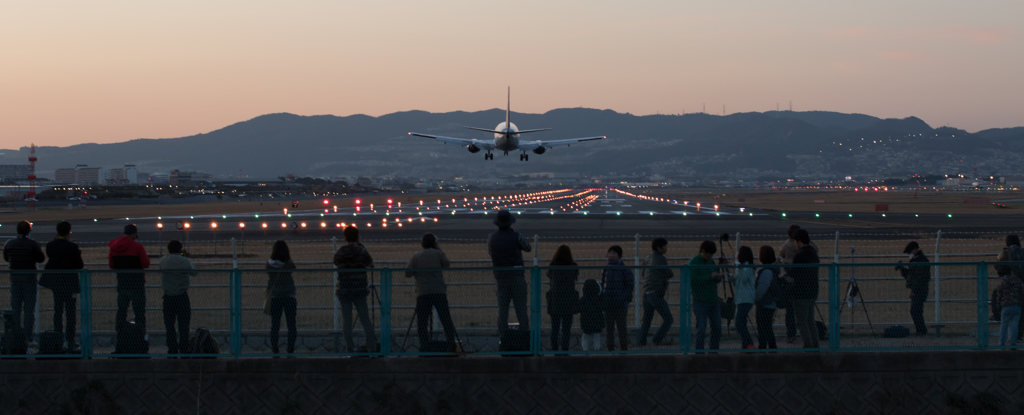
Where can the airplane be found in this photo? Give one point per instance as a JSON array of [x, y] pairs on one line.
[[506, 138]]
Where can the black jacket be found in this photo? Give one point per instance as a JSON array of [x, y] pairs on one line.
[[63, 254], [23, 253], [917, 276], [805, 280]]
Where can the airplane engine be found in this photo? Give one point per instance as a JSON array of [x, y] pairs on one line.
[[540, 150], [473, 149]]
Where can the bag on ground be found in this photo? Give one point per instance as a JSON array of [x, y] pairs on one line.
[[202, 342]]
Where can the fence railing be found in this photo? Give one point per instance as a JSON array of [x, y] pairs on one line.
[[856, 307]]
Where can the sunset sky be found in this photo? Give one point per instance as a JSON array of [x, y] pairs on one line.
[[108, 71]]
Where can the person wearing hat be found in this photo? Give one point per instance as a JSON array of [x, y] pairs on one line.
[[127, 254], [506, 247], [22, 254], [917, 277]]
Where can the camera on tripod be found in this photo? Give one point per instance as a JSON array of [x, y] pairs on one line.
[[723, 237]]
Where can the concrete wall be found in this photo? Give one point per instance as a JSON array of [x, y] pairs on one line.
[[843, 383]]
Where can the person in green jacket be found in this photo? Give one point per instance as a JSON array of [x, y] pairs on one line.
[[706, 304]]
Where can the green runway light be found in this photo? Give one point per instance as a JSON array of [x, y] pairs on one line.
[[718, 214], [95, 220], [453, 212], [257, 216], [289, 215], [224, 216], [751, 214], [158, 217], [321, 215], [883, 215], [817, 215], [850, 215], [950, 215], [421, 213], [618, 213], [652, 213], [190, 217], [916, 216], [385, 214], [783, 215]]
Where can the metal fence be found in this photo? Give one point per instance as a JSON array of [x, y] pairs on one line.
[[312, 322]]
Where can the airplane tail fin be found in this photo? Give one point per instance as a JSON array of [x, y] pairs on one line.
[[508, 108]]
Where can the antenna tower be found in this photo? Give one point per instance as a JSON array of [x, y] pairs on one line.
[[30, 197], [790, 105]]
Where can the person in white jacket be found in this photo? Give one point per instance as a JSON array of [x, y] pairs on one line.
[[744, 280]]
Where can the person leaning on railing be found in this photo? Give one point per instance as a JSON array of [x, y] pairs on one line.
[[64, 255], [353, 287], [22, 254], [282, 295], [431, 291], [918, 276], [563, 299]]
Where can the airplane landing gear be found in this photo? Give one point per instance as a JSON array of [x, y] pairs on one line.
[[488, 156], [524, 157]]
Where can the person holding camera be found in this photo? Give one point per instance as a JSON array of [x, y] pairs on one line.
[[175, 279], [353, 287], [786, 253], [706, 304], [63, 255], [126, 253], [431, 290], [505, 247], [917, 277]]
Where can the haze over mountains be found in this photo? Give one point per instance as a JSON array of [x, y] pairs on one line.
[[808, 145]]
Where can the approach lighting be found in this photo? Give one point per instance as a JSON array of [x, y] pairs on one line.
[[213, 225], [160, 226]]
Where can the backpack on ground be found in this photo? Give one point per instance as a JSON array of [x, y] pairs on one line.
[[822, 330], [202, 342], [13, 341], [896, 332], [51, 342], [131, 339]]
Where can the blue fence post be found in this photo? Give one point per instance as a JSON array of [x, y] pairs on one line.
[[982, 305], [385, 311], [85, 305], [833, 306], [535, 310], [236, 312], [684, 309]]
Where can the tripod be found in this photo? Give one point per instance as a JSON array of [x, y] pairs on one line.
[[853, 294], [730, 299]]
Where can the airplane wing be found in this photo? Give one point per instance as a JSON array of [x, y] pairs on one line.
[[483, 144], [503, 132], [531, 145]]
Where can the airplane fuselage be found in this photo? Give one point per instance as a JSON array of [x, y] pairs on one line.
[[508, 140]]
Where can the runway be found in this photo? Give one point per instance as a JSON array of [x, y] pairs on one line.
[[566, 213]]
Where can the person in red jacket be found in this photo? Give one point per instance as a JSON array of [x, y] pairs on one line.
[[127, 254]]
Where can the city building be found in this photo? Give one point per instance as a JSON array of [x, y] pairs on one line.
[[14, 172], [131, 174], [66, 176]]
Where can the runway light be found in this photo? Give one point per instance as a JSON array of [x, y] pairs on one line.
[[850, 215], [323, 224], [358, 201], [257, 216], [883, 215], [223, 216], [285, 211], [241, 225], [264, 225], [435, 219], [283, 225], [158, 218], [213, 225], [950, 215], [817, 215], [187, 225], [783, 214], [160, 226]]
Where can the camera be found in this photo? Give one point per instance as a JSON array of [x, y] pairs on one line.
[[723, 237], [899, 267]]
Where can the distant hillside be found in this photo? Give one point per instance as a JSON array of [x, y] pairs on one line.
[[776, 143]]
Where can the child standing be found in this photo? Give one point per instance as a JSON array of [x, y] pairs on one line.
[[744, 280], [591, 316]]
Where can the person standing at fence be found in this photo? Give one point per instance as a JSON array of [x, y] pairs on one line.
[[563, 299], [917, 277], [22, 254], [655, 287], [506, 247], [745, 293], [706, 304], [282, 295], [1008, 296], [127, 254], [616, 293], [591, 315], [766, 292], [1016, 254], [431, 291], [64, 255], [174, 279], [353, 288], [786, 253], [805, 288]]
